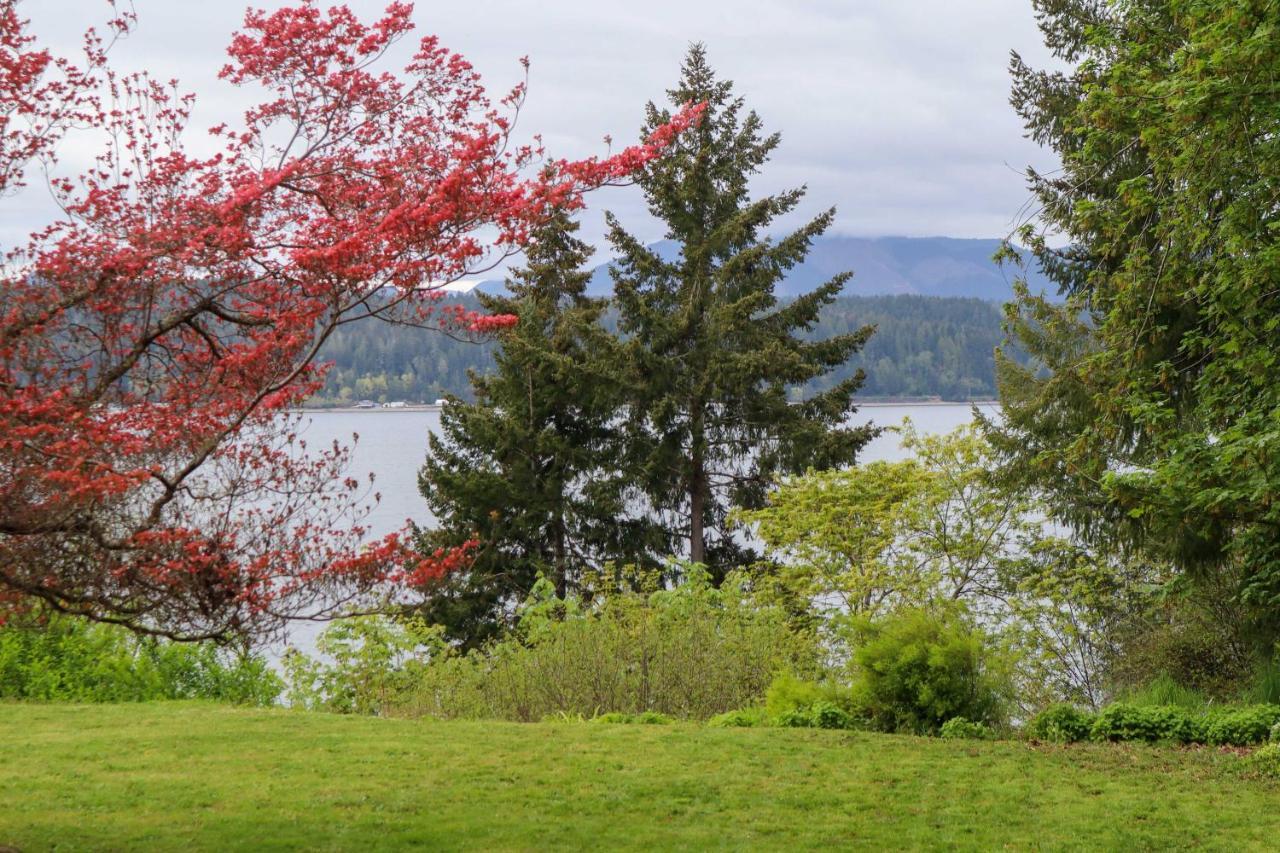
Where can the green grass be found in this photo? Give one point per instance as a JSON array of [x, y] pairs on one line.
[[187, 776]]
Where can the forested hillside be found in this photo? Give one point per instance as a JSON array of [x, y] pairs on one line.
[[924, 346]]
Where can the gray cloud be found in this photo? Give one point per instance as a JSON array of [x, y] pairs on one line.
[[893, 111]]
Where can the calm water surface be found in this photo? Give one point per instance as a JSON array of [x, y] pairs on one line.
[[392, 446]]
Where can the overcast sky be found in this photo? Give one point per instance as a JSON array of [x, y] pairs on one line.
[[894, 111]]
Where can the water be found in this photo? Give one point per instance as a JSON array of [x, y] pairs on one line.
[[392, 446]]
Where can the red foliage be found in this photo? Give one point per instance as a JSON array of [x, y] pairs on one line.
[[153, 339]]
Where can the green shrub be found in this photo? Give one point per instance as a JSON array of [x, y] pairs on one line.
[[1122, 722], [52, 657], [1275, 733], [653, 718], [1060, 724], [826, 715], [745, 718], [648, 718], [795, 703], [691, 652], [787, 693], [958, 728], [798, 719], [1266, 761], [1241, 726], [1200, 648], [372, 663], [916, 670], [612, 717]]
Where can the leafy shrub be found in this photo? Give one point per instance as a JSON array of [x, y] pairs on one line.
[[51, 657], [1060, 724], [1194, 643], [958, 728], [745, 718], [691, 653], [788, 693], [1241, 726], [1122, 722], [1266, 761], [795, 703], [826, 715], [1275, 733], [373, 662], [916, 670], [648, 718], [798, 719]]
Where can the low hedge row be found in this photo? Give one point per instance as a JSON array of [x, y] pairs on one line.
[[1239, 726]]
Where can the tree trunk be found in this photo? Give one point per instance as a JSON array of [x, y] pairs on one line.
[[561, 570], [697, 493]]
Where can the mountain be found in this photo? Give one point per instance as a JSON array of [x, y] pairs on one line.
[[883, 266]]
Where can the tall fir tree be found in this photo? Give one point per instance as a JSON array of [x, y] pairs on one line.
[[1152, 411], [712, 352], [529, 469]]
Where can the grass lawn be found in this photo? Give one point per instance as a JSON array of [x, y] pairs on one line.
[[194, 776]]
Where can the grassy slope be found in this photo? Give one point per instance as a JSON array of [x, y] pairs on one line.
[[195, 776]]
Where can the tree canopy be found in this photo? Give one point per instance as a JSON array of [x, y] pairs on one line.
[[712, 349], [1151, 411], [153, 336]]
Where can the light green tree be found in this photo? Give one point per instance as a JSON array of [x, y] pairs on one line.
[[937, 531]]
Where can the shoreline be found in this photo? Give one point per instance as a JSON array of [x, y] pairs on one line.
[[432, 407]]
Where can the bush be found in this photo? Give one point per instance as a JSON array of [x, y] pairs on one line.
[[1197, 642], [1060, 724], [795, 703], [788, 693], [1122, 722], [648, 718], [819, 715], [52, 657], [798, 719], [916, 670], [1241, 726], [958, 728], [1266, 761], [825, 715], [1275, 733], [689, 653], [745, 718], [376, 661]]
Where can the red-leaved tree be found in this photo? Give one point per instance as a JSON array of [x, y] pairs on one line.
[[154, 338]]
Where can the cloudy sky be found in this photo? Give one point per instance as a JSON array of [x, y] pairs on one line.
[[894, 111]]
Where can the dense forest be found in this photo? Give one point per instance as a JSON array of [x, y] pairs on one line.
[[924, 346]]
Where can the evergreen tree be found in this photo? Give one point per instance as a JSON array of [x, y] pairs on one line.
[[712, 351], [528, 468], [1151, 414]]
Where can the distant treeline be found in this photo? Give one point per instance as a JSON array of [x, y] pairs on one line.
[[924, 346]]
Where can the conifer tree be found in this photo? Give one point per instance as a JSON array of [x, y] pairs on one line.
[[1150, 409], [529, 469], [713, 353]]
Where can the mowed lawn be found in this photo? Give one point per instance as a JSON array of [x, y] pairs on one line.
[[189, 776]]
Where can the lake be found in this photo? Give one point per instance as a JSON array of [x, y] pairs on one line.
[[392, 446]]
